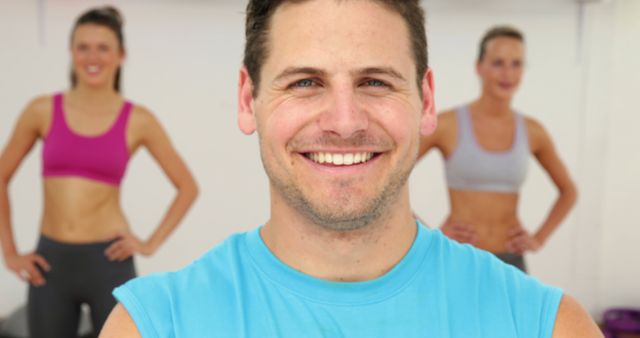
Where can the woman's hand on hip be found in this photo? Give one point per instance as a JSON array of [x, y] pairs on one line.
[[463, 233], [521, 241], [29, 267], [125, 246]]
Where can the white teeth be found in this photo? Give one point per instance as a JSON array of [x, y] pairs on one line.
[[93, 69], [337, 159], [348, 159], [340, 159]]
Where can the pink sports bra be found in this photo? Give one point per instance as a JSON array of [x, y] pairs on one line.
[[101, 158]]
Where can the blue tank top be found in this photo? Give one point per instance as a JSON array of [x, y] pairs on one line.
[[470, 167], [439, 289]]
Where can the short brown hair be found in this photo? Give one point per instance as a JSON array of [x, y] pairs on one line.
[[498, 32], [259, 13]]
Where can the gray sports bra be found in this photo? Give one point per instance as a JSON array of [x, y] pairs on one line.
[[470, 167]]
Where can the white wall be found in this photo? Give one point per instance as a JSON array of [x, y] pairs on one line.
[[183, 58], [620, 259]]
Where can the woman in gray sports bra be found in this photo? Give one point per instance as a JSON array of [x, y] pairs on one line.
[[486, 146]]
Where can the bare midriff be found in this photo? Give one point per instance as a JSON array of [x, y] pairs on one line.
[[78, 210], [491, 215]]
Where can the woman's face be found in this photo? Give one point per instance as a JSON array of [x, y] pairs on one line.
[[501, 68], [96, 54]]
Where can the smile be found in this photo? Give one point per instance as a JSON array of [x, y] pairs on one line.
[[93, 69], [340, 159]]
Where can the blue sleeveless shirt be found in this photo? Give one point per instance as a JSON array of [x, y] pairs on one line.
[[439, 289]]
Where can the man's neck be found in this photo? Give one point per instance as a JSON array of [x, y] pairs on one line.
[[357, 255]]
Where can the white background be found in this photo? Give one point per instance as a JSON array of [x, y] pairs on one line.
[[183, 59]]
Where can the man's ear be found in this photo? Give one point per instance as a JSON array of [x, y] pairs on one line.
[[246, 113], [429, 120]]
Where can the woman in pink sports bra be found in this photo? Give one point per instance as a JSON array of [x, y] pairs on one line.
[[89, 133], [487, 146]]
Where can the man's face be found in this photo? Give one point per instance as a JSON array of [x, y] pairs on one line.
[[338, 112]]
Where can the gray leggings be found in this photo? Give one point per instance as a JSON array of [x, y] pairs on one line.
[[80, 274], [513, 259]]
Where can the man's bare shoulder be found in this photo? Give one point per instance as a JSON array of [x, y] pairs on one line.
[[574, 321]]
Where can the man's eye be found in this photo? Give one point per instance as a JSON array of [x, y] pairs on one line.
[[305, 83], [375, 83]]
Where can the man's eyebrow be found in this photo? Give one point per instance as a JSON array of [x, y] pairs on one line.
[[290, 71], [380, 71]]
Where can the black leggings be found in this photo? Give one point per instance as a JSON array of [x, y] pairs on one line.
[[80, 274], [513, 259]]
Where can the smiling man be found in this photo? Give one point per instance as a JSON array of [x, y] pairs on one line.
[[339, 93]]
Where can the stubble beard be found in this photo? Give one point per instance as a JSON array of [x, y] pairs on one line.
[[328, 214]]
